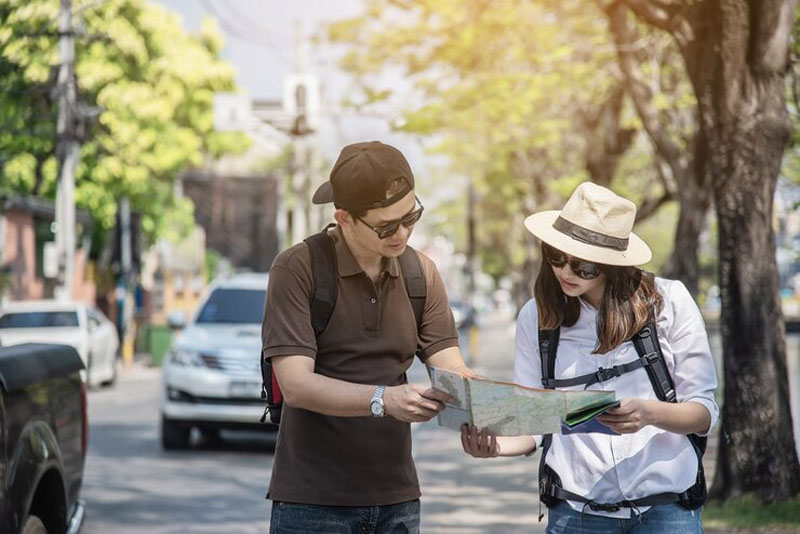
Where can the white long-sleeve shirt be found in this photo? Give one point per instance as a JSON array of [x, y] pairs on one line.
[[606, 468]]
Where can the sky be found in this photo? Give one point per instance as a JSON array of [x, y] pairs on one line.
[[259, 43]]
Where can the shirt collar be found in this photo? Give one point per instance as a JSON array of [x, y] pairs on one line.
[[346, 262], [586, 306]]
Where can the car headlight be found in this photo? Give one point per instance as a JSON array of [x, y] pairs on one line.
[[186, 357]]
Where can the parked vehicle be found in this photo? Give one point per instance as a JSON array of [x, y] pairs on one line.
[[43, 438], [73, 323], [212, 373], [463, 314]]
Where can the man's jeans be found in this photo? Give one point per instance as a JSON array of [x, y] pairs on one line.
[[289, 518], [661, 519]]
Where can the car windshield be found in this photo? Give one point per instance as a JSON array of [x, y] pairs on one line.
[[42, 319], [233, 306]]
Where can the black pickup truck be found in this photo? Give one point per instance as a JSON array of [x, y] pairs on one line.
[[43, 438]]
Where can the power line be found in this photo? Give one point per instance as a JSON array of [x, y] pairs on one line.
[[247, 20], [231, 29]]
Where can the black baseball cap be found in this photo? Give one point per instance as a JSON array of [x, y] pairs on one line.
[[361, 177]]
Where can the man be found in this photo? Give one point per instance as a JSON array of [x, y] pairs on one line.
[[343, 459]]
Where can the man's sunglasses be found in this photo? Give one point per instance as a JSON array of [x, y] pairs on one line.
[[584, 270], [389, 229]]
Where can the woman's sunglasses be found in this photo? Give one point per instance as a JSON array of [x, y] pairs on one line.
[[584, 270], [388, 230]]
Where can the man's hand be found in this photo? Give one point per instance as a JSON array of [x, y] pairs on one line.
[[631, 416], [479, 443], [414, 403]]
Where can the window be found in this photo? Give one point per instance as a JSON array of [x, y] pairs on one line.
[[44, 319], [233, 306]]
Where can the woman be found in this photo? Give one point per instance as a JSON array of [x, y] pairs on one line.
[[639, 473]]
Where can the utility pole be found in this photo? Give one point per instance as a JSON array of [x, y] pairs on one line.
[[299, 226], [303, 100], [125, 283], [471, 252], [471, 266], [67, 152]]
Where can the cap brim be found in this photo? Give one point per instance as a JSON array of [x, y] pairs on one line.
[[324, 194], [541, 225]]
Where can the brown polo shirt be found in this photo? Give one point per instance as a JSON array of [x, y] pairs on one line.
[[371, 339]]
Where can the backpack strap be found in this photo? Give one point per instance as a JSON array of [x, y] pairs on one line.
[[323, 272], [548, 347], [648, 347], [414, 278], [652, 359], [603, 374]]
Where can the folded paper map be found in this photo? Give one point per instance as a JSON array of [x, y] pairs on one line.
[[508, 409]]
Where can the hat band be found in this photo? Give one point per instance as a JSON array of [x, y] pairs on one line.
[[590, 237]]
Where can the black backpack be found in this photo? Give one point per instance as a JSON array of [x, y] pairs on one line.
[[652, 359], [324, 272]]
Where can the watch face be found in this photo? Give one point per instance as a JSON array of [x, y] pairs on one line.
[[376, 407]]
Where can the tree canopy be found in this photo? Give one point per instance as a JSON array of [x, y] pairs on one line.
[[152, 84], [520, 95], [526, 98]]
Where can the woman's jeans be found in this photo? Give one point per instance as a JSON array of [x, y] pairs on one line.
[[289, 518], [661, 519]]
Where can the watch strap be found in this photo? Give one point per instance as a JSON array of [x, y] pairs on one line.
[[377, 397]]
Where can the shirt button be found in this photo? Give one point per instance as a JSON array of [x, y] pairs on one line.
[[372, 300]]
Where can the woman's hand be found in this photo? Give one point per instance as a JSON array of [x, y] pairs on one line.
[[631, 416], [479, 443]]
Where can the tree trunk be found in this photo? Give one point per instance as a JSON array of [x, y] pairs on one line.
[[745, 128], [38, 175], [694, 197], [606, 138], [686, 169], [736, 54], [746, 150]]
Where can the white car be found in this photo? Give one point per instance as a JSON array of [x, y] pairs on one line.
[[71, 323], [212, 373]]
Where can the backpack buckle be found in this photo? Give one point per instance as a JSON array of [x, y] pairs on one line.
[[604, 374], [604, 507], [650, 358]]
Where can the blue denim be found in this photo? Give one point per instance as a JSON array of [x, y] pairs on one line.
[[290, 518], [664, 518]]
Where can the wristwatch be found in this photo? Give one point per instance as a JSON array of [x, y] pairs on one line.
[[376, 404]]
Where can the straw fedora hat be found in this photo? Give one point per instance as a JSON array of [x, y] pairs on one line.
[[595, 225]]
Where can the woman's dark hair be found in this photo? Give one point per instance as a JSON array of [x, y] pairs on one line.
[[629, 299]]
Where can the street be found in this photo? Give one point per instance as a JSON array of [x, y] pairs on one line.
[[132, 486], [151, 151], [466, 495]]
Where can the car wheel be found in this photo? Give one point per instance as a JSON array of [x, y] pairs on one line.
[[89, 366], [174, 435], [34, 525], [110, 381], [209, 434]]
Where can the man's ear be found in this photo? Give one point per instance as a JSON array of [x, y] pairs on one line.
[[343, 218]]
